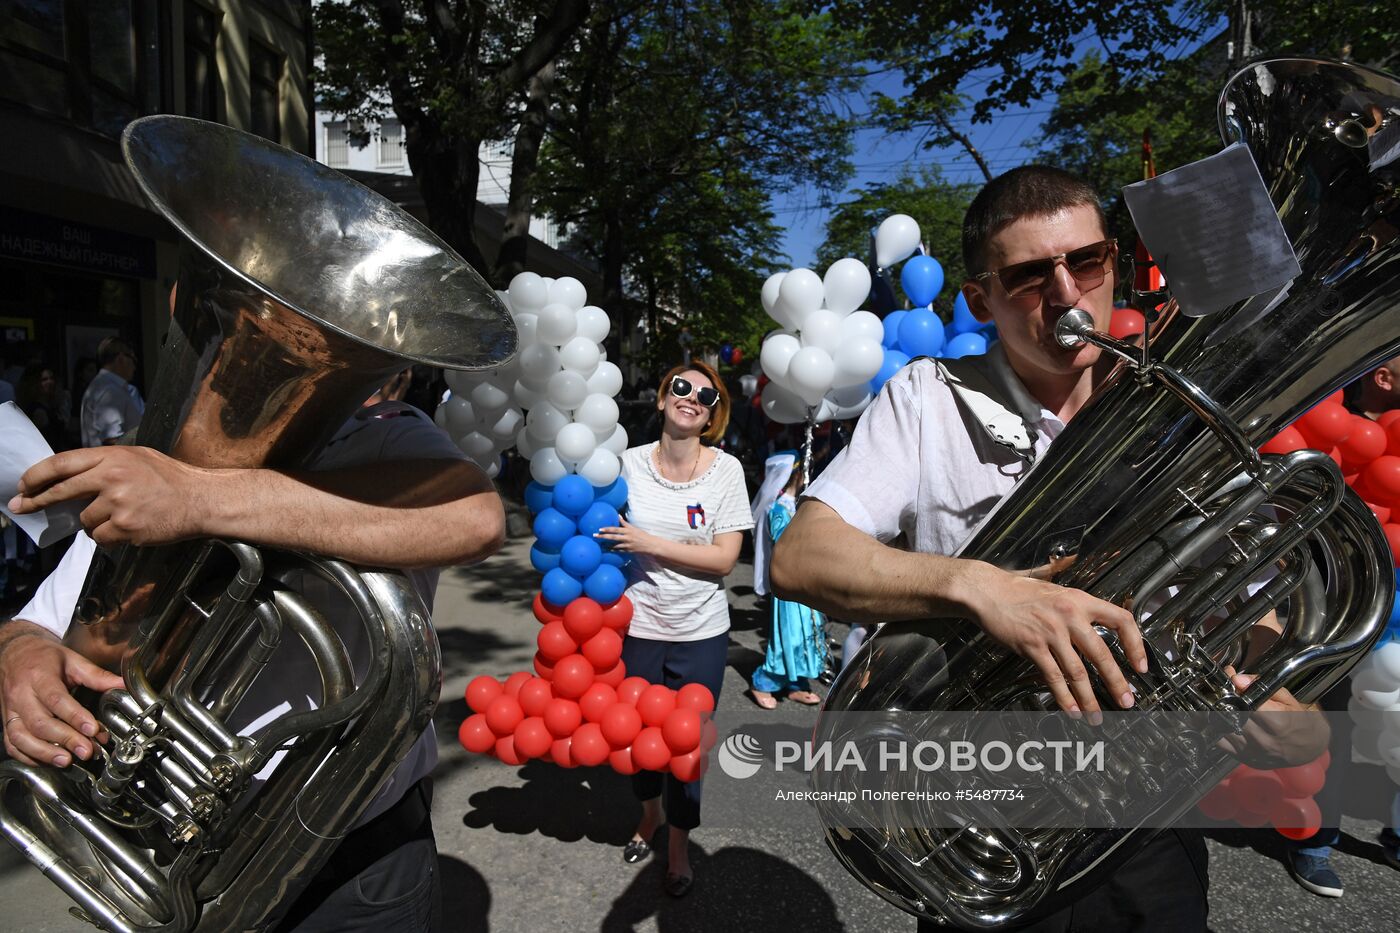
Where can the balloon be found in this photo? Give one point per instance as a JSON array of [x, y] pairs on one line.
[[553, 528], [846, 284], [849, 402], [477, 446], [538, 497], [783, 405], [1303, 780], [681, 730], [566, 390], [561, 752], [896, 239], [890, 326], [1382, 477], [596, 701], [562, 717], [568, 291], [592, 323], [579, 557], [614, 494], [560, 588], [1219, 804], [475, 735], [599, 515], [534, 696], [527, 292], [606, 380], [775, 356], [526, 397], [575, 442], [862, 325], [614, 675], [617, 615], [600, 413], [503, 715], [544, 422], [922, 280], [504, 428], [894, 361], [649, 750], [604, 585], [630, 690], [726, 353], [459, 416], [616, 559], [546, 467], [537, 363], [1285, 442], [769, 295], [737, 356], [1386, 660], [603, 650], [620, 724], [543, 561], [822, 329], [543, 666], [505, 751], [1126, 322], [963, 320], [514, 682], [1325, 426], [572, 676], [583, 618], [1365, 441], [545, 611], [920, 333], [527, 326], [1296, 818], [557, 324], [965, 345], [616, 441], [857, 362], [621, 761], [695, 697], [572, 496], [799, 295], [810, 374], [554, 642], [600, 469], [580, 355], [655, 704], [588, 747], [481, 691]]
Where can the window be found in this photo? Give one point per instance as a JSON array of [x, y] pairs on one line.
[[265, 67], [337, 150], [390, 143], [203, 91]]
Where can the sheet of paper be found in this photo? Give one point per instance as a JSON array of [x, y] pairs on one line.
[[1384, 146], [1213, 231], [22, 446]]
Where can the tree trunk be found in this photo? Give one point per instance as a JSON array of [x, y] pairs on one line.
[[447, 173], [515, 238], [614, 302]]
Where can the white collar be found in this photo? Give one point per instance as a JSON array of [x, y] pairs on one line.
[[1000, 371]]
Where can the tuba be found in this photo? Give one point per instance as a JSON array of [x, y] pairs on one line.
[[1134, 500], [300, 292]]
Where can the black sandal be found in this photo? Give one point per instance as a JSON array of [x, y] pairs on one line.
[[678, 885], [635, 851]]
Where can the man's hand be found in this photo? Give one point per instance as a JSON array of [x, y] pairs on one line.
[[1281, 733], [139, 495], [43, 723], [1052, 626]]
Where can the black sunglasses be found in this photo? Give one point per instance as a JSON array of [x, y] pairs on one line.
[[681, 388], [1088, 265]]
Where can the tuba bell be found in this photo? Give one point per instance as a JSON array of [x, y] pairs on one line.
[[1134, 501], [300, 292]]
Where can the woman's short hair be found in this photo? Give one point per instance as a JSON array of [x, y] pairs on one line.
[[719, 415]]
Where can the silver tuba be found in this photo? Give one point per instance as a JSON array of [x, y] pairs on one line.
[[300, 293], [1127, 504]]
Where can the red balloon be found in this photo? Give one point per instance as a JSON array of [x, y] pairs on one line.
[[1126, 322], [475, 735], [1365, 442], [543, 667], [1219, 804], [697, 697], [1381, 512], [1386, 418], [1249, 819], [630, 690], [618, 615], [1336, 398], [1303, 780], [649, 750], [655, 704], [505, 750], [620, 724], [681, 730], [736, 357], [614, 676], [690, 766], [1285, 442], [546, 611], [503, 715], [603, 650], [589, 747], [1382, 479], [572, 676], [1325, 426], [1296, 817], [1325, 758], [561, 753], [562, 717], [532, 739], [515, 681], [554, 641], [481, 691], [709, 735], [596, 700], [1255, 790], [621, 761], [1336, 454], [1392, 534], [1392, 435], [582, 619], [533, 697]]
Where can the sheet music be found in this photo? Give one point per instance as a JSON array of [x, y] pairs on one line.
[[1384, 146], [1213, 231], [22, 446]]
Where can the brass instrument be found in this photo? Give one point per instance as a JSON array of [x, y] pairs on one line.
[[300, 293], [1127, 504]]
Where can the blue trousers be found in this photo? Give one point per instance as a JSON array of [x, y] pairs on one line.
[[675, 664]]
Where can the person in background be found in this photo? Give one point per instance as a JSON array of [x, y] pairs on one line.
[[45, 404], [111, 405], [84, 371]]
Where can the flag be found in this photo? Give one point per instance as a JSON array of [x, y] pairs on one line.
[[1147, 277]]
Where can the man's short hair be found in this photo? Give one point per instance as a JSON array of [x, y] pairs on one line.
[[110, 349], [1029, 191]]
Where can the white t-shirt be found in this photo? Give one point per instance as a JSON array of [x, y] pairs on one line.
[[111, 407], [669, 603], [920, 463], [385, 432]]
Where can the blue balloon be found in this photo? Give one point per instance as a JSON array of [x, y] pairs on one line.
[[963, 321], [617, 558], [726, 353], [922, 280], [604, 585], [538, 498], [599, 515], [573, 495], [580, 556], [921, 333], [894, 362], [614, 494], [966, 345], [892, 322], [559, 588], [543, 561], [553, 528]]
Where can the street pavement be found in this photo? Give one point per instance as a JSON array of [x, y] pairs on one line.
[[538, 848]]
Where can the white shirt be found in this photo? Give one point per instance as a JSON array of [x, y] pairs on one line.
[[920, 463], [670, 603], [288, 683], [111, 407]]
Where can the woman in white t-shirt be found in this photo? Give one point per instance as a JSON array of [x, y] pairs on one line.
[[687, 509]]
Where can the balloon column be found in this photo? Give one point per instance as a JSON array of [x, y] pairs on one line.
[[1282, 798]]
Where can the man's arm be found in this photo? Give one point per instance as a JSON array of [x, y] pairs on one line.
[[408, 513], [823, 562]]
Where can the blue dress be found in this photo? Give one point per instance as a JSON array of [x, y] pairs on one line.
[[796, 638]]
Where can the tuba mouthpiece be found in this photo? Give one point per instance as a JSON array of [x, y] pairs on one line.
[[1073, 327]]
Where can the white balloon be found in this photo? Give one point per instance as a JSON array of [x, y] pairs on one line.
[[546, 467], [860, 325], [1386, 659], [527, 397], [606, 379], [575, 442], [528, 292], [593, 323], [842, 411], [568, 291], [527, 326], [1364, 716], [504, 428], [600, 413], [493, 469], [810, 374], [544, 422], [526, 445], [477, 446], [1366, 743], [847, 284], [567, 389], [581, 355], [896, 239], [488, 399], [617, 443], [1374, 689], [822, 329], [558, 322], [459, 416], [857, 362], [776, 356], [799, 295], [537, 364], [601, 467], [769, 296], [461, 383], [783, 405]]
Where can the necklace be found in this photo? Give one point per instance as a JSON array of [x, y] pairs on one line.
[[661, 466]]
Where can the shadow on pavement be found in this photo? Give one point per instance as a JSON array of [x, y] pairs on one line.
[[465, 650], [564, 804], [500, 581], [466, 897]]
